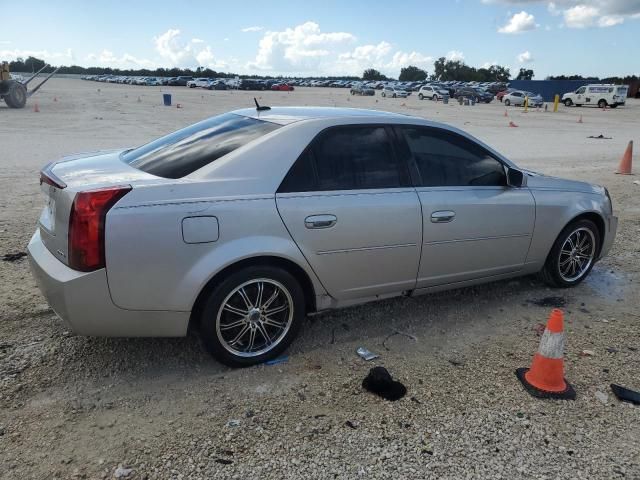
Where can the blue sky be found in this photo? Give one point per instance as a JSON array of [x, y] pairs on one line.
[[595, 37]]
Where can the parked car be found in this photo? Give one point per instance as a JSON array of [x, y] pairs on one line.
[[218, 85], [243, 223], [393, 92], [199, 82], [152, 81], [597, 95], [283, 87], [475, 93], [359, 89], [180, 81], [517, 98], [250, 84], [431, 92], [500, 95]]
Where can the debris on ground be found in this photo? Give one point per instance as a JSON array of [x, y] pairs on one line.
[[366, 354], [556, 302], [278, 361], [397, 332], [600, 137], [379, 381], [122, 472], [233, 423], [587, 353], [351, 424], [13, 257], [625, 394], [603, 397]]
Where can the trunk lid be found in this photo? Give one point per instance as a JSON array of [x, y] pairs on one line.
[[60, 181]]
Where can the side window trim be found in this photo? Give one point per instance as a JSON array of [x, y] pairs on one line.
[[416, 176]]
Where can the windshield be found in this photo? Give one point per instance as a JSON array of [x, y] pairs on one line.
[[185, 151]]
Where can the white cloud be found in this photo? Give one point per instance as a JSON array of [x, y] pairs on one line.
[[455, 55], [610, 20], [252, 29], [298, 49], [177, 53], [54, 58], [525, 57], [580, 16], [489, 64], [106, 58], [518, 23]]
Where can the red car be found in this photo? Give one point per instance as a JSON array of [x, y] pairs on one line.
[[282, 87], [502, 93]]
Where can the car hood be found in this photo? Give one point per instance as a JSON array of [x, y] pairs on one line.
[[539, 181]]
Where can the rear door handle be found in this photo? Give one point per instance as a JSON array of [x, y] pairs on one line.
[[320, 221], [442, 216]]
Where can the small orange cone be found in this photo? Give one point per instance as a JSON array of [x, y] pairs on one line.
[[545, 378], [625, 162], [36, 108], [511, 124], [580, 119]]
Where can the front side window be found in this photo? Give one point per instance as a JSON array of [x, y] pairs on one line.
[[581, 90], [185, 151], [347, 158], [447, 159]]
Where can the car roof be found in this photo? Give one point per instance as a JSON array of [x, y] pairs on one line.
[[287, 115]]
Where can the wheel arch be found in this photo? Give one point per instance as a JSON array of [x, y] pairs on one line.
[[262, 260], [596, 218]]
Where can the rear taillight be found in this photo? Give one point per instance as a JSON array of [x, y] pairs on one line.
[[86, 226]]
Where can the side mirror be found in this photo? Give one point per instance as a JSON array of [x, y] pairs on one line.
[[515, 178]]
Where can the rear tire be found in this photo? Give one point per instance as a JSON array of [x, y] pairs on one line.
[[225, 305], [554, 273], [16, 97]]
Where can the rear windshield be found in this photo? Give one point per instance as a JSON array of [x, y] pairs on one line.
[[185, 151]]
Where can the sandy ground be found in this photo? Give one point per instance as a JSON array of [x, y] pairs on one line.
[[73, 407]]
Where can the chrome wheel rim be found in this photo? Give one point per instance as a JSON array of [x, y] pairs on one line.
[[576, 254], [254, 318]]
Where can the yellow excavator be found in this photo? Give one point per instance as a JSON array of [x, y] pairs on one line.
[[15, 93]]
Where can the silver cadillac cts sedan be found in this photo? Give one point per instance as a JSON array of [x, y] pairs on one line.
[[244, 223]]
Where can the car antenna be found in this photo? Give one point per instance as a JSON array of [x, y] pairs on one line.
[[259, 107]]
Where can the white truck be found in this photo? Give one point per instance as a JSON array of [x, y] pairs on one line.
[[600, 95]]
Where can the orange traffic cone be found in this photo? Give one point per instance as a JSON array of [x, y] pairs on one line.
[[580, 119], [545, 378], [625, 162], [511, 124], [36, 108]]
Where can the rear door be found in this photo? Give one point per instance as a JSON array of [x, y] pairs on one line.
[[475, 226], [348, 204]]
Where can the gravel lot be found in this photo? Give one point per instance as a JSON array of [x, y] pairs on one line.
[[73, 407]]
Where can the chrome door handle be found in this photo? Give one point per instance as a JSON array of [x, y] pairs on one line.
[[320, 221], [442, 216]]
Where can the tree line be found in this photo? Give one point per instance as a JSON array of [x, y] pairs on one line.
[[443, 70]]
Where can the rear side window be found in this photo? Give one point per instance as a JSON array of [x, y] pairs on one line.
[[347, 158], [185, 151], [447, 159]]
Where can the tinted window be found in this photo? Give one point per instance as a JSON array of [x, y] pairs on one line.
[[349, 158], [447, 159], [185, 151]]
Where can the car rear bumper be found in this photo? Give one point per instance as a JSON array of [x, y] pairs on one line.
[[83, 302], [610, 235]]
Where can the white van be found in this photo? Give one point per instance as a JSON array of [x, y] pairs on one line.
[[600, 95]]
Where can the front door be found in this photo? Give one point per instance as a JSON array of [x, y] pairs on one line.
[[348, 204], [475, 226]]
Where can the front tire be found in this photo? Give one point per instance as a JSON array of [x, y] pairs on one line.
[[507, 102], [16, 97], [602, 103], [568, 102], [573, 255], [420, 96], [434, 98], [252, 316]]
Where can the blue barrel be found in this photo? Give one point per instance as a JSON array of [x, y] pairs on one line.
[[166, 97]]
